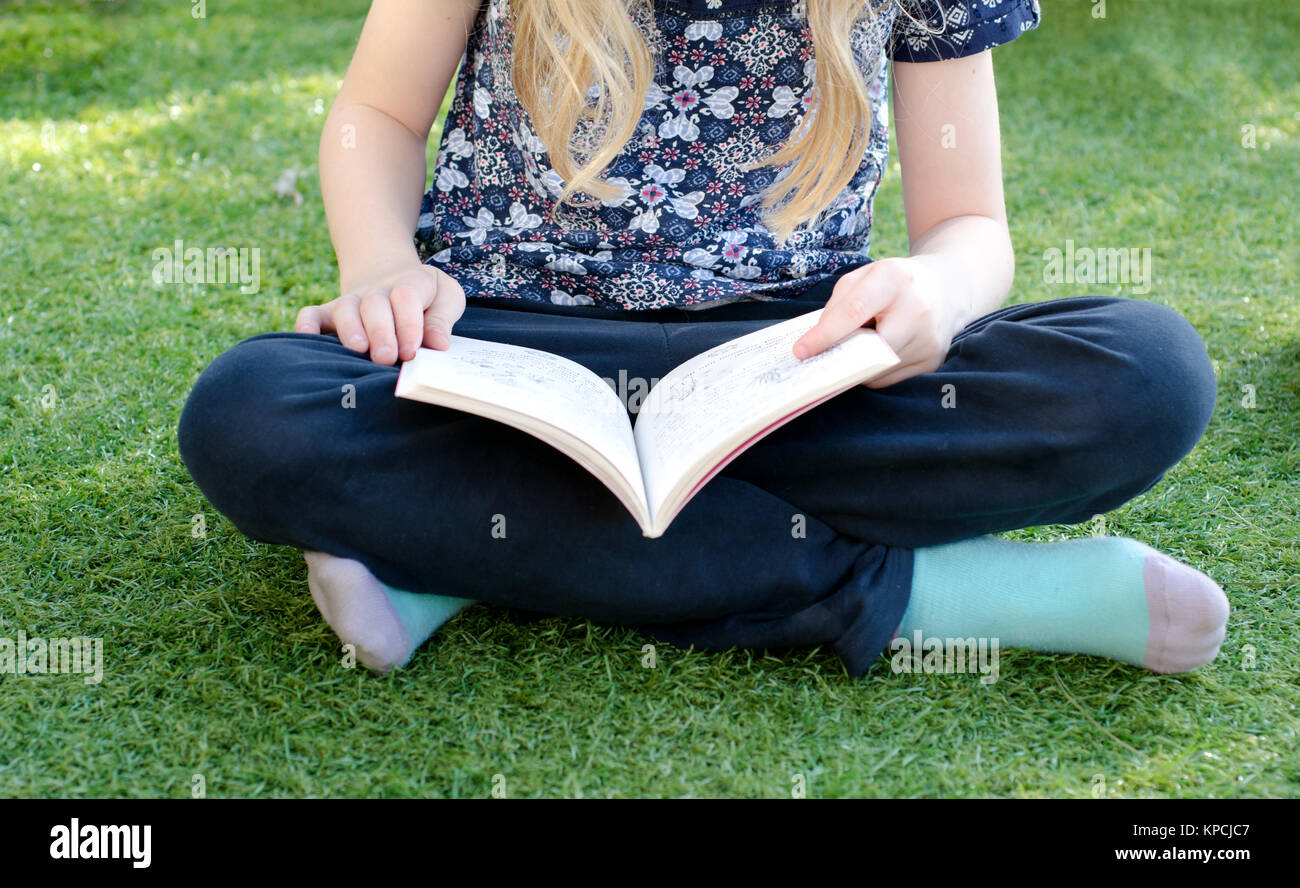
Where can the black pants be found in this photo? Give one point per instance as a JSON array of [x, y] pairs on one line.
[[1049, 412]]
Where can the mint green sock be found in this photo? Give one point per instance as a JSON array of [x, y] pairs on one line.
[[422, 615], [383, 625], [1085, 596]]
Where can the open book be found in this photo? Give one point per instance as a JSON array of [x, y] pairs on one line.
[[699, 417]]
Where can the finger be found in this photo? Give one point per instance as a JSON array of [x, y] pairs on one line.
[[900, 334], [377, 316], [408, 317], [312, 319], [894, 376], [914, 358], [448, 305], [898, 374], [845, 311], [347, 322]]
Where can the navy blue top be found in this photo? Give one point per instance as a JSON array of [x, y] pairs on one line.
[[732, 80]]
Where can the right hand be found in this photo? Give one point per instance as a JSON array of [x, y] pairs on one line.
[[391, 313]]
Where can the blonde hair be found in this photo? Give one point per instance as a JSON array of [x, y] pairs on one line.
[[562, 47]]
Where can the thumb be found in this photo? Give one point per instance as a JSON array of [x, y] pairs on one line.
[[854, 302], [445, 310]]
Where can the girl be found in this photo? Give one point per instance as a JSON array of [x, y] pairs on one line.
[[629, 183]]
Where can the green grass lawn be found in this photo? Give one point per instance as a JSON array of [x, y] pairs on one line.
[[127, 125]]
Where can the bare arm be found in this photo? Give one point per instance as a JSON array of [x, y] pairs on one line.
[[952, 178], [373, 173], [961, 263]]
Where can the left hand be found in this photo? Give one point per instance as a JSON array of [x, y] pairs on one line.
[[904, 298]]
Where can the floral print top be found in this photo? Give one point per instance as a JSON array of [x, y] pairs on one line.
[[733, 80]]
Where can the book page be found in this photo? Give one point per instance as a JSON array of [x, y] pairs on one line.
[[552, 393], [706, 407]]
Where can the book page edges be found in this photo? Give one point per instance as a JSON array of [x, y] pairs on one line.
[[570, 445], [689, 485]]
